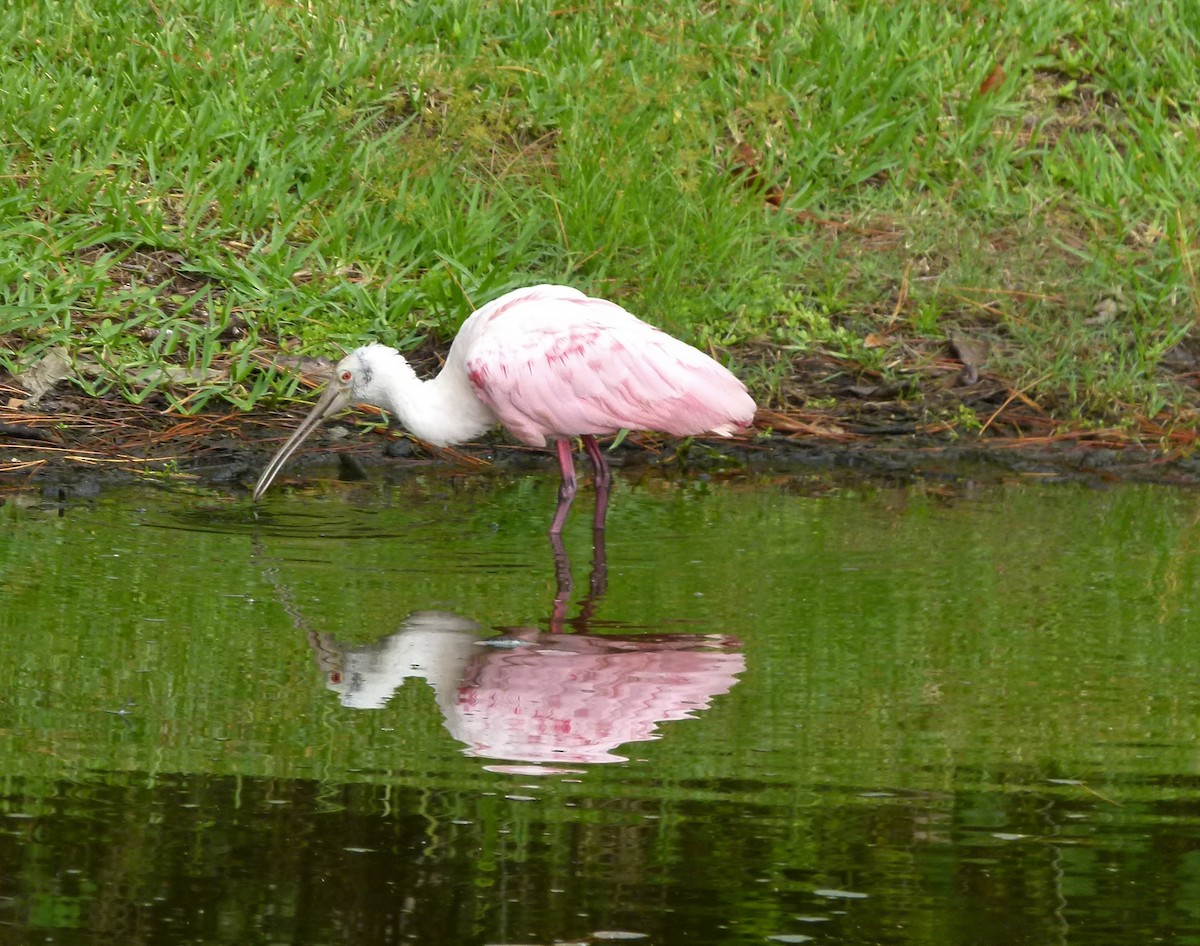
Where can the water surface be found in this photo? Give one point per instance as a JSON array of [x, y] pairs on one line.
[[803, 710]]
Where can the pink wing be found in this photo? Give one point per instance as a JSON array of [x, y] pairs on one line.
[[550, 361]]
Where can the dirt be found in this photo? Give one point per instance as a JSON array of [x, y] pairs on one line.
[[953, 421]]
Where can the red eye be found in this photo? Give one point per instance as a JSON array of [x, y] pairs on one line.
[[346, 376]]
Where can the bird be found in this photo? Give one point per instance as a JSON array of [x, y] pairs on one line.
[[549, 364]]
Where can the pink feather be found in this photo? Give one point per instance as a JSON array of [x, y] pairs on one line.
[[548, 363], [551, 362]]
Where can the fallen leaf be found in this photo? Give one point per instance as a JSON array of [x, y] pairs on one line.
[[972, 352], [746, 165], [994, 80], [173, 374], [1106, 311], [54, 366]]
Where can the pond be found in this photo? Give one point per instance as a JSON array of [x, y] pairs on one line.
[[792, 708]]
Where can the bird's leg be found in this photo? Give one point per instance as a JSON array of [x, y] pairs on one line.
[[603, 476], [566, 492]]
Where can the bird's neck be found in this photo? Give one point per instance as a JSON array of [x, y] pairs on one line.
[[440, 411]]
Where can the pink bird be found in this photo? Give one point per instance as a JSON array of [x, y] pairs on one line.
[[547, 363]]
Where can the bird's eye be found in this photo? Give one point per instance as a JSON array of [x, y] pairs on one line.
[[346, 376]]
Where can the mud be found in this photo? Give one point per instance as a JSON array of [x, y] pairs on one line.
[[949, 423], [226, 454]]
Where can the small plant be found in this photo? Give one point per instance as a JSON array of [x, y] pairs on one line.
[[966, 420]]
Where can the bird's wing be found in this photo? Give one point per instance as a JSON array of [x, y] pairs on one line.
[[562, 364]]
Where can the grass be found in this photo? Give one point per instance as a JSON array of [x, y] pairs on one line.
[[187, 184]]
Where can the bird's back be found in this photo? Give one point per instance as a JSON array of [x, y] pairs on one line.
[[550, 361]]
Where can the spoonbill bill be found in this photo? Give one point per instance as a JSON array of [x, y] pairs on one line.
[[547, 363]]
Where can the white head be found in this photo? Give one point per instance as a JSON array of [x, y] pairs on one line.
[[363, 374], [360, 378]]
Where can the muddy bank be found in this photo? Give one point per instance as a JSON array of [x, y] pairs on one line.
[[950, 418], [80, 446]]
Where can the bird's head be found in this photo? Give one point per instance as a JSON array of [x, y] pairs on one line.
[[360, 375], [359, 378]]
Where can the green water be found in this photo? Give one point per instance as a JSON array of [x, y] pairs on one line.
[[860, 714]]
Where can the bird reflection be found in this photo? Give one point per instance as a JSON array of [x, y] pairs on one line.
[[538, 696]]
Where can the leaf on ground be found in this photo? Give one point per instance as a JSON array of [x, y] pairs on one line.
[[139, 377], [1105, 312], [994, 80], [54, 366], [972, 352], [747, 164], [321, 368], [174, 374]]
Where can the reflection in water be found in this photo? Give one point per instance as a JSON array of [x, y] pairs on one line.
[[890, 773], [432, 645], [537, 696], [577, 698]]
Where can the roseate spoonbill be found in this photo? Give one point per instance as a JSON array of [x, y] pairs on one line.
[[548, 363]]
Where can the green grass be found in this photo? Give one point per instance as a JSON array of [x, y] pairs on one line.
[[186, 183]]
